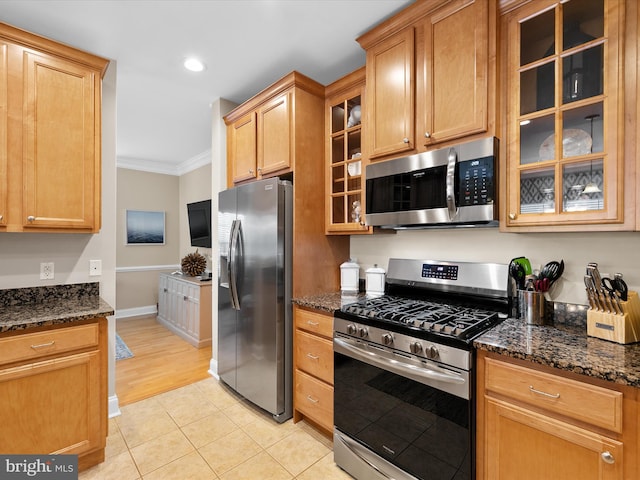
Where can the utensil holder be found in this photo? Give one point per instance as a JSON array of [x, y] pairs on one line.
[[533, 308], [620, 328]]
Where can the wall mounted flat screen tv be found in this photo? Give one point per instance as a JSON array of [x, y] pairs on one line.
[[199, 214]]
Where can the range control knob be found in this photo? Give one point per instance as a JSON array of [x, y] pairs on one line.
[[432, 352], [415, 347], [387, 339], [362, 332], [351, 329]]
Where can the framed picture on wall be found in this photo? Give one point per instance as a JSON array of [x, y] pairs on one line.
[[144, 228]]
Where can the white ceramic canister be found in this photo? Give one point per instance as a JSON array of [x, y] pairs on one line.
[[349, 276], [374, 281]]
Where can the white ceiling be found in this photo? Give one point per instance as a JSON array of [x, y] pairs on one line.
[[163, 110]]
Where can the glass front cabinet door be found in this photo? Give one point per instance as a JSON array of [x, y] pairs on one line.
[[345, 185], [564, 85]]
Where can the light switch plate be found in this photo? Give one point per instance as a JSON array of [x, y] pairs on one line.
[[95, 268]]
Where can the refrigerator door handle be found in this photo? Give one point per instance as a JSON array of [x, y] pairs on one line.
[[233, 267]]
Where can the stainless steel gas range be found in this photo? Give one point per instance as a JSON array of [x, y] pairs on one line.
[[404, 370]]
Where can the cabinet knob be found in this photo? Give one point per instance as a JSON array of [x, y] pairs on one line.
[[1, 218], [251, 172], [259, 169], [405, 140], [185, 298], [608, 458], [31, 218], [427, 135], [165, 290], [512, 216]]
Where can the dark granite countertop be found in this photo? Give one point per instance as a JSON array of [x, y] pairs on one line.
[[327, 302], [25, 308], [565, 347]]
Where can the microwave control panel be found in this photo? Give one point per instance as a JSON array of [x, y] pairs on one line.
[[476, 181]]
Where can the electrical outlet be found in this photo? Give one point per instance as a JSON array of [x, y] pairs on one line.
[[95, 268], [46, 271]]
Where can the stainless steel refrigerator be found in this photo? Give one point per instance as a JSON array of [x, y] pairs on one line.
[[255, 325]]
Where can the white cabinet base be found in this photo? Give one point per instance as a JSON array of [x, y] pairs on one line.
[[184, 307]]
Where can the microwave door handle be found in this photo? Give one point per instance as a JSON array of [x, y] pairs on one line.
[[452, 159], [233, 268]]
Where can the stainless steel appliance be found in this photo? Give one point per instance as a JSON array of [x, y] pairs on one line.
[[254, 294], [404, 370], [450, 186]]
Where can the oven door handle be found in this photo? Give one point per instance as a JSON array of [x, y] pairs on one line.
[[346, 347]]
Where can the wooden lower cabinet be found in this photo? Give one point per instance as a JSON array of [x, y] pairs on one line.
[[313, 368], [54, 401], [538, 422]]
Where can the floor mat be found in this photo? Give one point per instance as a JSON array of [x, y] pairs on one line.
[[122, 351]]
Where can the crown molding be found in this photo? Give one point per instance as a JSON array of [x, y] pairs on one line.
[[156, 166]]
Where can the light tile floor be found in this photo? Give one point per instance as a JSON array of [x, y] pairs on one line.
[[204, 431]]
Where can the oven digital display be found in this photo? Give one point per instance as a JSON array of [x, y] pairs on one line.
[[442, 272]]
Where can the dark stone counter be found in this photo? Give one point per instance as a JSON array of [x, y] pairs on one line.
[[24, 308], [565, 346]]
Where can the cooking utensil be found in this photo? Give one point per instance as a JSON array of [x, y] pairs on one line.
[[525, 263], [611, 290], [552, 271], [517, 273], [622, 287]]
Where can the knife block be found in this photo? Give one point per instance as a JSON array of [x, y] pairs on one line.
[[615, 327]]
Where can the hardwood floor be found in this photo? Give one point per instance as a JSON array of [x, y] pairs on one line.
[[162, 361]]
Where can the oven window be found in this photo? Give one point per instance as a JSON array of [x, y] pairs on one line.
[[417, 190], [420, 429]]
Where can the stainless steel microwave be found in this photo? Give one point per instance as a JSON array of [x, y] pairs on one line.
[[452, 186]]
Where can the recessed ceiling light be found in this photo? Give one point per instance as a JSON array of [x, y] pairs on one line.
[[194, 65]]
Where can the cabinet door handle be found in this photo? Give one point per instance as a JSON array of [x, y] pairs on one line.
[[1, 218], [544, 394], [608, 458], [31, 218], [427, 135], [405, 140], [43, 345], [185, 298], [512, 216], [312, 356], [311, 399], [313, 324]]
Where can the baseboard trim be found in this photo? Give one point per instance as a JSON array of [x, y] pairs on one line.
[[114, 407], [213, 369], [136, 312]]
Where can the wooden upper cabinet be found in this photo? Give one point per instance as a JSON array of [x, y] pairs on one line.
[[429, 71], [566, 98], [453, 96], [275, 135], [390, 95], [265, 133], [242, 146], [4, 182], [61, 168], [50, 128]]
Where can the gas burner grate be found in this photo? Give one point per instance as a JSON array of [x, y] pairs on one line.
[[445, 319]]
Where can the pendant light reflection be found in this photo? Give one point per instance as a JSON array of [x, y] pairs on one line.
[[591, 187]]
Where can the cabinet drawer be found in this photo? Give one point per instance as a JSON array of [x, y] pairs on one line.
[[314, 355], [314, 398], [587, 403], [29, 346], [318, 323]]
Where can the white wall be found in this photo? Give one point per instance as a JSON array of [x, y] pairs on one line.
[[614, 252]]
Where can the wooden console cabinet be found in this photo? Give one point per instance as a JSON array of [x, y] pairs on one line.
[[184, 307], [53, 386]]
